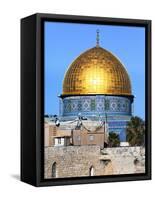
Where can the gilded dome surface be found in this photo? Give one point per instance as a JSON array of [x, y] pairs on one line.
[[96, 71]]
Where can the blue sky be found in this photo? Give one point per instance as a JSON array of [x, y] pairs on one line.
[[65, 41]]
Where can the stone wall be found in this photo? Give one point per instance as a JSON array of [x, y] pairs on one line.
[[126, 160], [75, 161]]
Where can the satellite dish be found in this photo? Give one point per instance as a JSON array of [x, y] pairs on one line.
[[57, 122]]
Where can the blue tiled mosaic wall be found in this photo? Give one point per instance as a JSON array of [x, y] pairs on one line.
[[94, 105]]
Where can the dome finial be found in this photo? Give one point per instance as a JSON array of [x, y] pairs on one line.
[[97, 37]]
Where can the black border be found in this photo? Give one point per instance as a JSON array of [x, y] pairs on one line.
[[39, 148]]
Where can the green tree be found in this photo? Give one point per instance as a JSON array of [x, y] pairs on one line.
[[114, 140], [136, 131]]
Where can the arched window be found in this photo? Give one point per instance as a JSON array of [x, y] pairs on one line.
[[91, 171], [54, 170]]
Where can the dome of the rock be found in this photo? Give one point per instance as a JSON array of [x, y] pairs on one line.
[[96, 71], [97, 87]]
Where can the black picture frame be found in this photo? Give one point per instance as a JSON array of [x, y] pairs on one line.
[[32, 98]]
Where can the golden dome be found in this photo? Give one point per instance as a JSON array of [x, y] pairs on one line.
[[96, 71]]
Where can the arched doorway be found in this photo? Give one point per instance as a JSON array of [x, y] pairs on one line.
[[91, 171], [54, 170]]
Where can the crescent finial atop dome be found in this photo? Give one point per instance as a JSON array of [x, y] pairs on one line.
[[97, 37]]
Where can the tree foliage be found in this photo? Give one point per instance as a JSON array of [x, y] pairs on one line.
[[114, 140], [136, 131]]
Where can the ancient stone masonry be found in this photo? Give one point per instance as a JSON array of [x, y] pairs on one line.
[[126, 160], [75, 161]]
